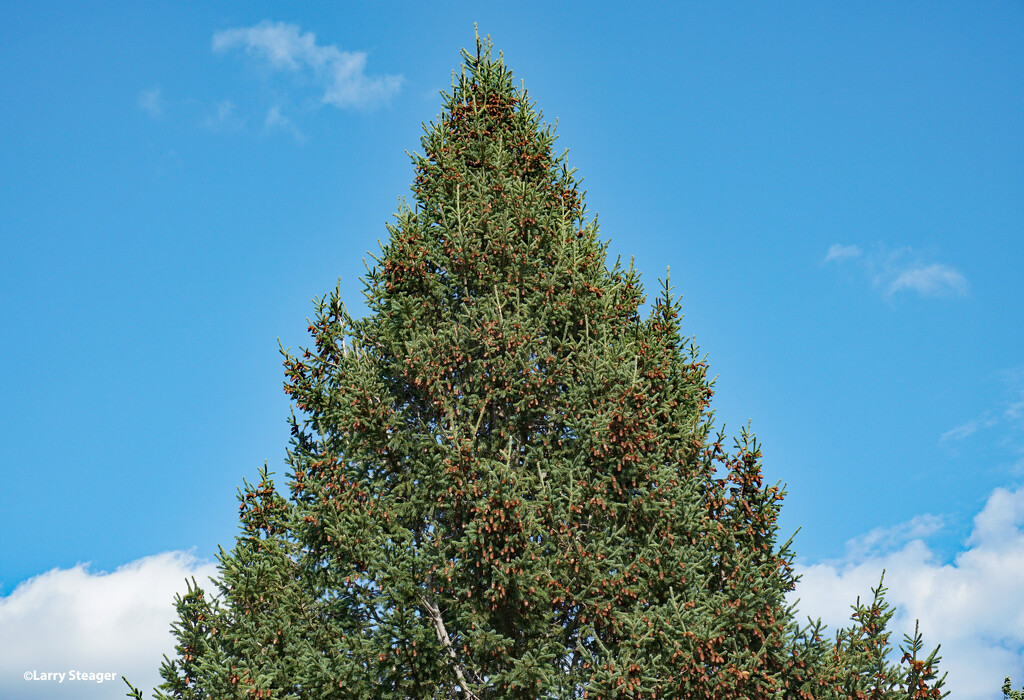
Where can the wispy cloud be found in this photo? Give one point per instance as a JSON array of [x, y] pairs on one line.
[[151, 102], [974, 606], [116, 622], [883, 539], [1013, 383], [340, 74], [223, 116], [276, 120], [930, 281], [1003, 420], [838, 251], [898, 271], [965, 430]]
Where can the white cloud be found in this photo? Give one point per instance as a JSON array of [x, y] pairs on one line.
[[883, 539], [223, 117], [973, 607], [902, 270], [930, 280], [841, 252], [285, 47], [276, 120], [1013, 381], [115, 622], [965, 430], [152, 102], [1004, 420]]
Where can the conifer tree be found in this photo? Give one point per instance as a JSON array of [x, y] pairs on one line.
[[857, 665], [504, 481]]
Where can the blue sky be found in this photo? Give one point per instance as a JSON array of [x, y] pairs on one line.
[[837, 189]]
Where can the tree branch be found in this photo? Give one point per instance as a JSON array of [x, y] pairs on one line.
[[446, 642]]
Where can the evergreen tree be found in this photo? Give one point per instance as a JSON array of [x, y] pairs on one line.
[[503, 481], [857, 664]]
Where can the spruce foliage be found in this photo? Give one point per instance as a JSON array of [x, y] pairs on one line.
[[504, 481]]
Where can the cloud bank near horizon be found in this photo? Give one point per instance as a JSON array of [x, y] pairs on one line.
[[973, 606], [94, 622]]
